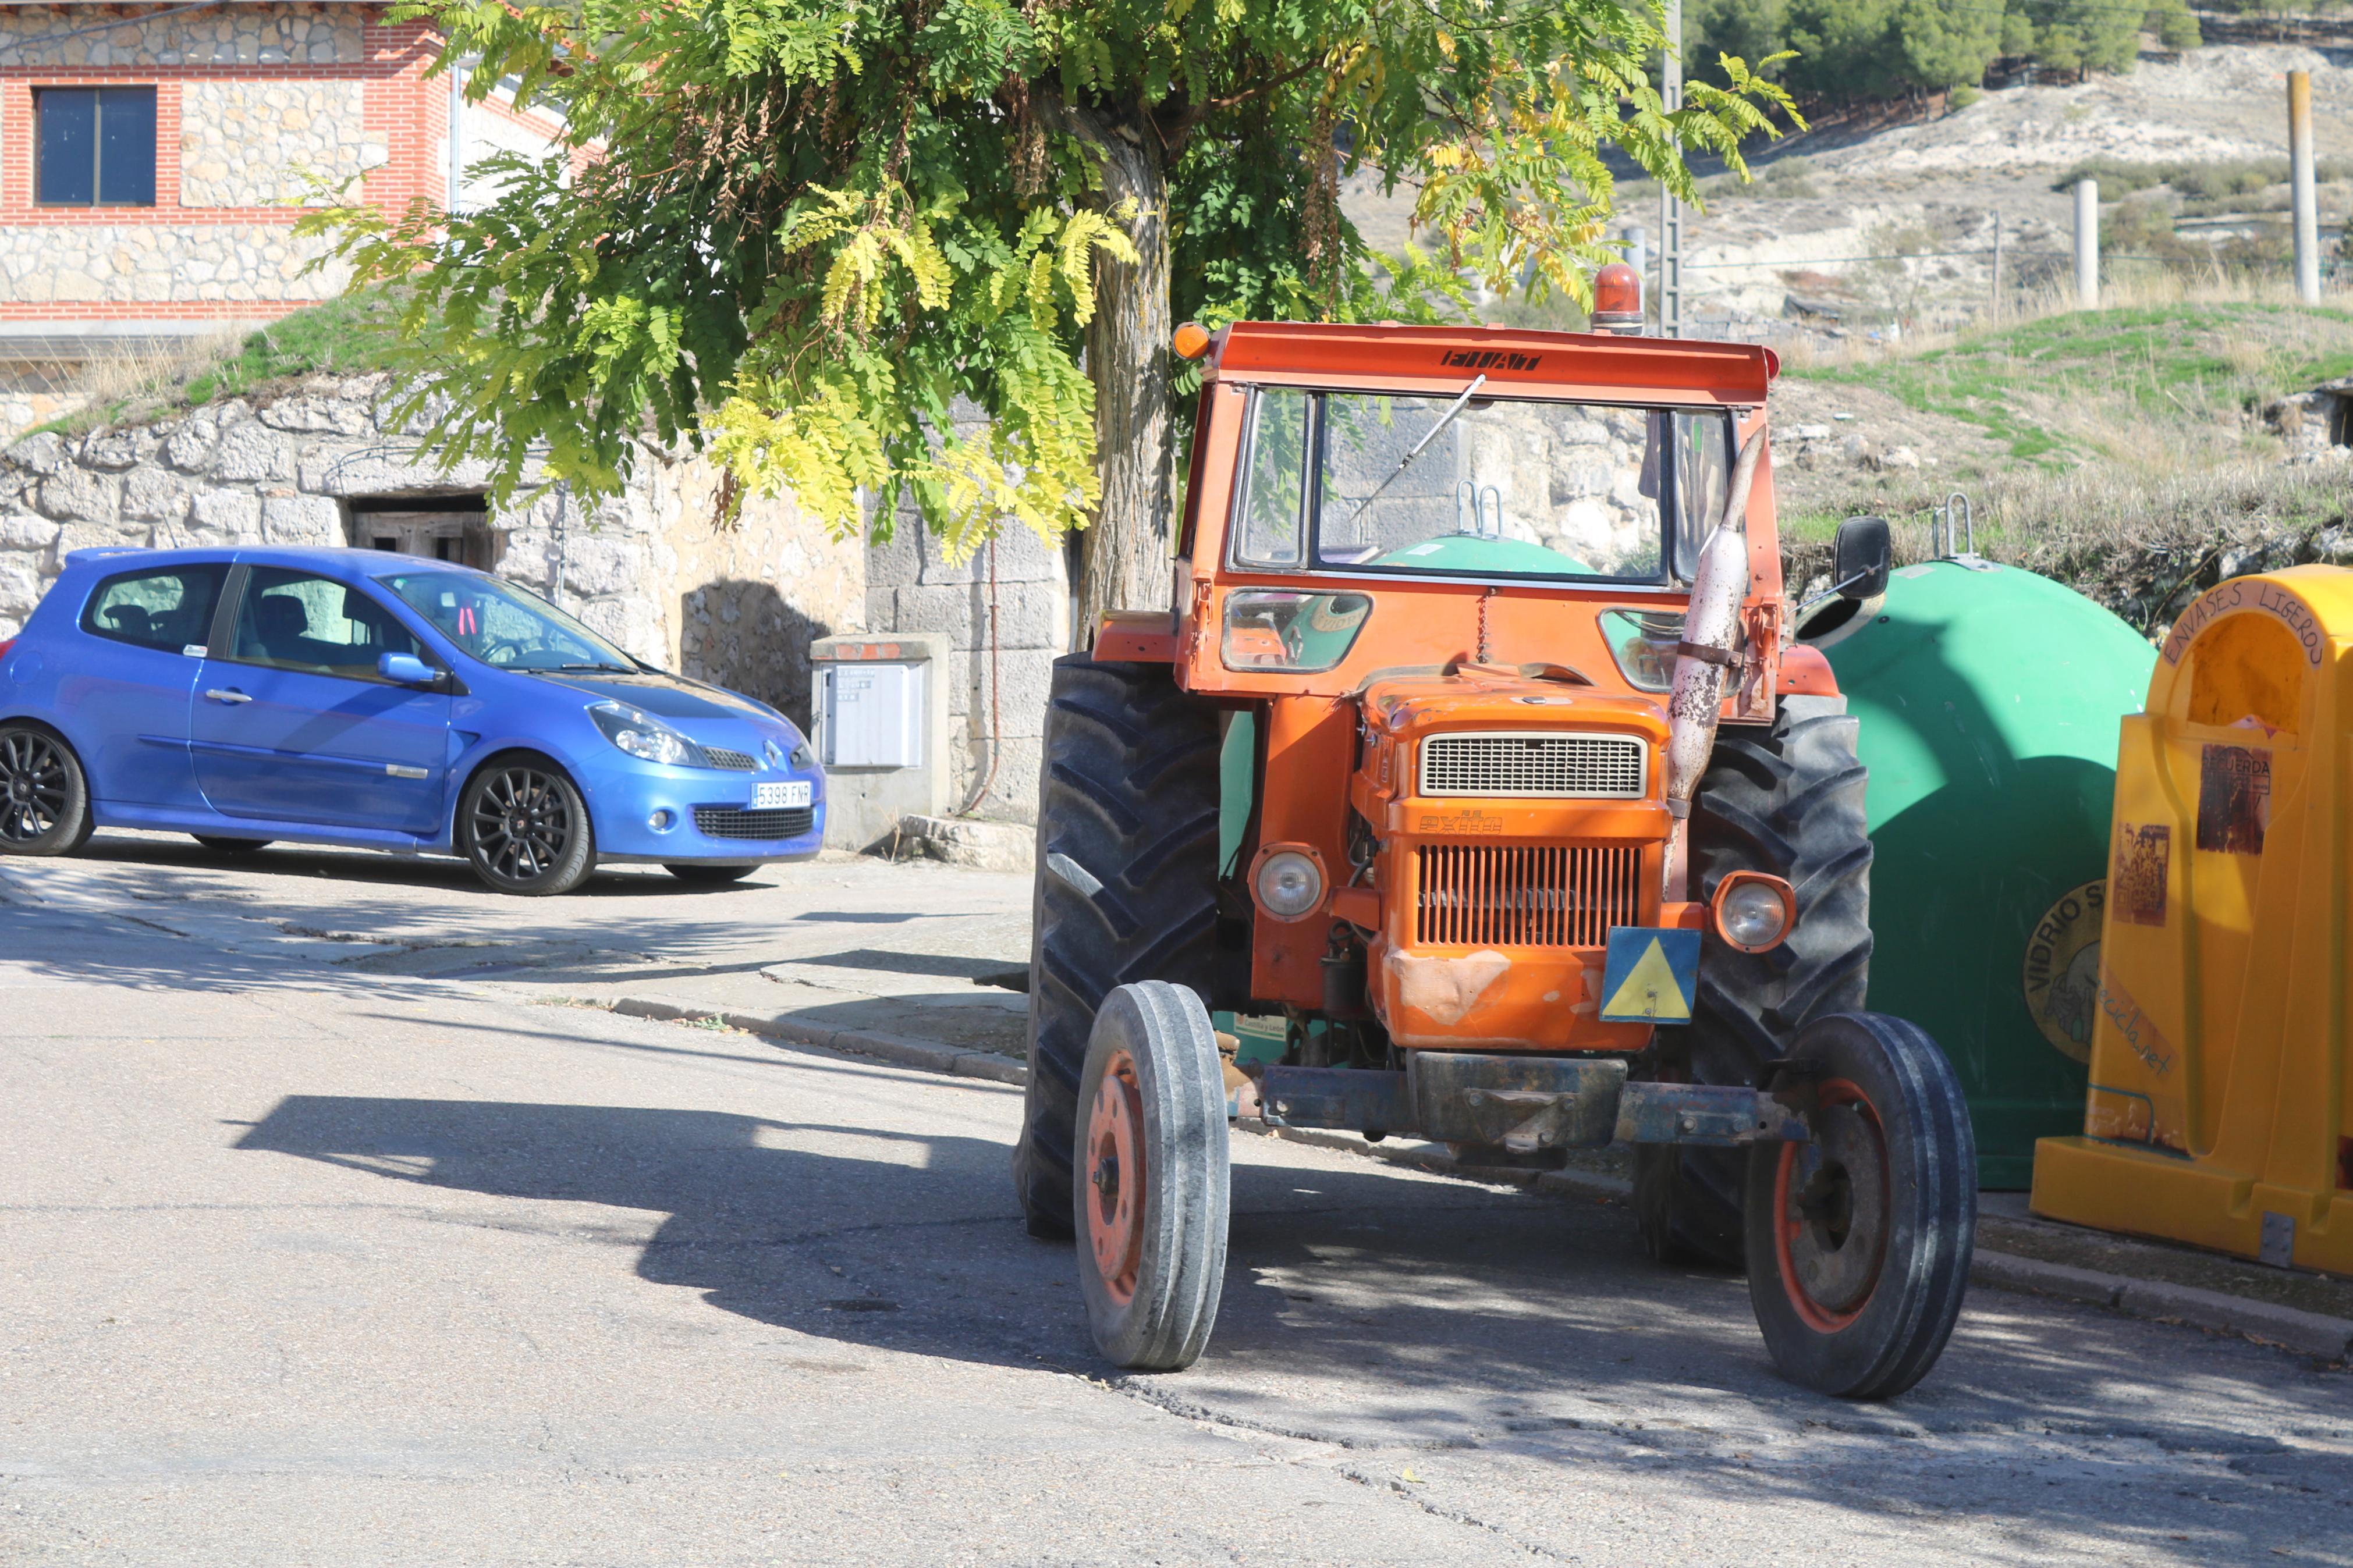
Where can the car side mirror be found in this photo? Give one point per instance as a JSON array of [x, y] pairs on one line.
[[1860, 558], [406, 669]]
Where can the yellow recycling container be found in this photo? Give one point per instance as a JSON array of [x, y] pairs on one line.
[[2220, 1102]]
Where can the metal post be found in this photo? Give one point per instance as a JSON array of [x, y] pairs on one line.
[[1670, 211], [457, 136], [2299, 160], [1993, 290], [2087, 243]]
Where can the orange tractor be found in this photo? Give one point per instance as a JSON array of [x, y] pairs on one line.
[[1540, 834]]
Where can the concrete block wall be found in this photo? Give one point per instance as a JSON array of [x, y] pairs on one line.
[[913, 586]]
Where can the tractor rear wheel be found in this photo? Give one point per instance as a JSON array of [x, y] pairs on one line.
[[1786, 801], [1860, 1238], [1126, 885], [1154, 1198]]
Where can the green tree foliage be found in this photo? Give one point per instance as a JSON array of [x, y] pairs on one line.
[[1843, 50], [796, 230]]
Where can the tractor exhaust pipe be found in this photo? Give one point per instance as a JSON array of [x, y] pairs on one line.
[[1709, 651]]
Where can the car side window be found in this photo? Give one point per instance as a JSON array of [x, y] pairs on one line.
[[295, 620], [168, 609]]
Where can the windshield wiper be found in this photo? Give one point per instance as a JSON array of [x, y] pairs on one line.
[[612, 668], [1406, 461]]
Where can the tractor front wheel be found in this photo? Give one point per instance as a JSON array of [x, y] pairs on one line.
[[1787, 800], [1859, 1239], [1126, 887], [1151, 1199]]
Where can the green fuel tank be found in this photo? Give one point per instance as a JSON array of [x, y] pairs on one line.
[[1989, 701]]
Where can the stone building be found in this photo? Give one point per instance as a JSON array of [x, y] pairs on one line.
[[153, 159]]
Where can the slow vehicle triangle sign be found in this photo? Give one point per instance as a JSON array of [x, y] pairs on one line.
[[1650, 975]]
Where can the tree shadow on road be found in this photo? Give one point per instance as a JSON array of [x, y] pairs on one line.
[[1373, 1307]]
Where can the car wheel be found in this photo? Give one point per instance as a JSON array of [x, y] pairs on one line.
[[524, 829], [709, 875], [44, 796], [220, 846]]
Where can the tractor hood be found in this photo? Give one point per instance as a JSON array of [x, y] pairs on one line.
[[1408, 707]]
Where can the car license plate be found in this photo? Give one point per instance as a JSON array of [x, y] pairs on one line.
[[782, 796]]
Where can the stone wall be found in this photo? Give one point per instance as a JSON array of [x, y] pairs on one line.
[[911, 586], [151, 263], [652, 569], [258, 143], [229, 35]]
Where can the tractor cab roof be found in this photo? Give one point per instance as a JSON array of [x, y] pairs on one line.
[[1573, 366]]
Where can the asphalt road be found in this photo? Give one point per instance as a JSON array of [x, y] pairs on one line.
[[308, 1263]]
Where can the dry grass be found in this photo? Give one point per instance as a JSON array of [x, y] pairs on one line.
[[344, 336], [146, 369]]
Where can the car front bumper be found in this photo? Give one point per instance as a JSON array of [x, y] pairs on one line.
[[697, 815]]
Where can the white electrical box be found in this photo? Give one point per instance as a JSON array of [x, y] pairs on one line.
[[881, 707], [872, 715]]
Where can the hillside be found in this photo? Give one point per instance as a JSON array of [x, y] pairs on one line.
[[1779, 258], [2136, 452]]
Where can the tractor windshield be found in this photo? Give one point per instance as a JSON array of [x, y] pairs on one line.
[[1365, 482]]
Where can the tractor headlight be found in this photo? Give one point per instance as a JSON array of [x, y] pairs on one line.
[[1753, 912], [1289, 883], [645, 737]]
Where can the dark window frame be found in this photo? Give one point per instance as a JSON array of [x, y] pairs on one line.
[[1674, 573], [88, 621], [225, 642], [99, 95]]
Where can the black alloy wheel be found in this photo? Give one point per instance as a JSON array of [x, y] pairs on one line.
[[526, 830], [44, 799]]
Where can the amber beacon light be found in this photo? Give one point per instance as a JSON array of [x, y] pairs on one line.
[[1617, 300], [1192, 341]]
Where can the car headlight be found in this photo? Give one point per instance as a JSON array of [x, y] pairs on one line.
[[645, 737], [803, 759], [1290, 884]]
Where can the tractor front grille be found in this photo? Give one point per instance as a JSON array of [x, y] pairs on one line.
[[734, 822], [1609, 767], [1524, 895]]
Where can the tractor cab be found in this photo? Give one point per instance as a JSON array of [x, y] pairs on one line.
[[1473, 747]]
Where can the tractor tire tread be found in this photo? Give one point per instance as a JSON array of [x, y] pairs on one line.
[[1129, 796], [1787, 801]]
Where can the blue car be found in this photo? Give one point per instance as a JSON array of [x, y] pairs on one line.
[[354, 698]]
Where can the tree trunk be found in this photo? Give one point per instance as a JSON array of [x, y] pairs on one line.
[[1125, 555]]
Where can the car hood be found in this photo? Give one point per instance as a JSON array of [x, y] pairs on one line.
[[664, 696]]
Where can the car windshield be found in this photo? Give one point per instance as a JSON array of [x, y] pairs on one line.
[[1478, 486], [502, 625]]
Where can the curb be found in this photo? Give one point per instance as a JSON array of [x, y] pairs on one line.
[[929, 1055], [2308, 1334]]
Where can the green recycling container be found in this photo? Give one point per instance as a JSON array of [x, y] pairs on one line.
[[1989, 701]]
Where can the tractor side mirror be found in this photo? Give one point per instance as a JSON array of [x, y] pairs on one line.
[[1860, 558]]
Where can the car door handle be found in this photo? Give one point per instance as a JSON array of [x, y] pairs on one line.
[[228, 697]]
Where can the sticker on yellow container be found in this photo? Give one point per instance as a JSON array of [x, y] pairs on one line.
[[1650, 975], [2062, 970]]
